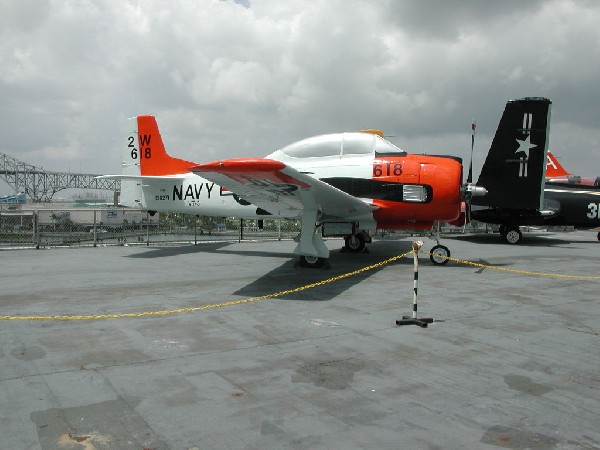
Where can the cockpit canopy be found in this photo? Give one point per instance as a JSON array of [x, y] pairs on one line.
[[341, 144]]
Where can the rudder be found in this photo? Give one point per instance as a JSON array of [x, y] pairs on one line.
[[150, 151]]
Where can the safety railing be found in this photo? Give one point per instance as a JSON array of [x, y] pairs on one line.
[[92, 227], [47, 227]]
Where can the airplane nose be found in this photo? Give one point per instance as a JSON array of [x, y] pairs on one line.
[[448, 179]]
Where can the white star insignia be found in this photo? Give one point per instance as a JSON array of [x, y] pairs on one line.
[[525, 145]]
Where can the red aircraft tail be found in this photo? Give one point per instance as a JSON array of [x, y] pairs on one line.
[[554, 169], [150, 151]]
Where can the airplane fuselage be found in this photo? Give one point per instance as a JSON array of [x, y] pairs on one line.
[[409, 191], [193, 194], [575, 205], [564, 205]]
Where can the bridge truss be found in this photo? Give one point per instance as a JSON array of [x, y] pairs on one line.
[[41, 185]]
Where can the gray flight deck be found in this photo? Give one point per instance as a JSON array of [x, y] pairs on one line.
[[512, 361]]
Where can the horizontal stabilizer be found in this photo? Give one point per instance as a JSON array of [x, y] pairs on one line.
[[142, 177]]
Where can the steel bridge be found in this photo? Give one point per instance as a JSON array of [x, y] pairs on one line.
[[41, 185]]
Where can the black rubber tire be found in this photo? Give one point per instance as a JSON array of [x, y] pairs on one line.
[[312, 262], [355, 243], [439, 255], [513, 235]]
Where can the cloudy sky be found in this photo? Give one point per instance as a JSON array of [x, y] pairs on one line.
[[242, 78]]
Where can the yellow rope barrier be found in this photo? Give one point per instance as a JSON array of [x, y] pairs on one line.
[[212, 306], [287, 292], [521, 272]]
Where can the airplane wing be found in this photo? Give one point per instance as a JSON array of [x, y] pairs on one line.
[[281, 189]]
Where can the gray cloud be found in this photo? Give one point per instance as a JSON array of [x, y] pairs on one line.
[[438, 19]]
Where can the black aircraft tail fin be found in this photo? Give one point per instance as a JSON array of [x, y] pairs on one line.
[[514, 170]]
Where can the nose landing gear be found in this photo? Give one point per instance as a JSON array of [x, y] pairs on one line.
[[439, 255]]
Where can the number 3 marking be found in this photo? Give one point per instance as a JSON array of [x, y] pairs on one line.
[[593, 210]]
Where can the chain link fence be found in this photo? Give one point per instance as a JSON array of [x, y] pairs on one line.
[[92, 227], [117, 226]]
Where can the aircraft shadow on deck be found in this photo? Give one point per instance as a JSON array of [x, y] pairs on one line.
[[217, 248], [289, 276], [529, 240], [163, 252]]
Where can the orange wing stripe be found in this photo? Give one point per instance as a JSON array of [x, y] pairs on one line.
[[257, 171], [238, 165]]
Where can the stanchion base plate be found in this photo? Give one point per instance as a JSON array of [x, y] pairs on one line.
[[422, 322]]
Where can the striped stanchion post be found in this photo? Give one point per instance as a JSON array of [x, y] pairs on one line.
[[406, 320]]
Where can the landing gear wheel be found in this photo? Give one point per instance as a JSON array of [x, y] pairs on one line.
[[599, 236], [513, 235], [355, 243], [312, 262], [439, 255]]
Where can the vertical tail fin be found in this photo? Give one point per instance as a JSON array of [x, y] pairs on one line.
[[514, 170], [145, 147], [554, 169], [144, 154]]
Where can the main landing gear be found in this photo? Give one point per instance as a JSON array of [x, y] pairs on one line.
[[311, 248], [356, 243], [511, 234], [312, 262], [314, 254]]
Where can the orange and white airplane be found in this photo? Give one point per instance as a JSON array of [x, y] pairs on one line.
[[343, 184]]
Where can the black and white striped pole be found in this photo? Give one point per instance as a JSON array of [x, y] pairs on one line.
[[406, 320]]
